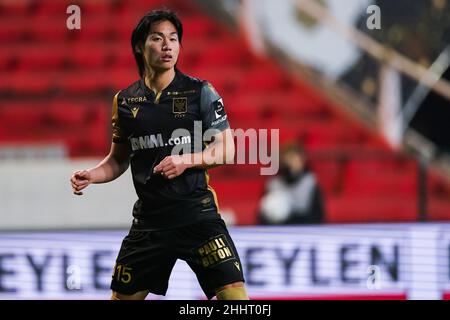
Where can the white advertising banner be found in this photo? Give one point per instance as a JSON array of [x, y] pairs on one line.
[[401, 261]]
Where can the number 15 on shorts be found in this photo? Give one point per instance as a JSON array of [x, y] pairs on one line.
[[122, 273]]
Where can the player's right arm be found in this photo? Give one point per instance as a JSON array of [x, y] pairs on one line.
[[115, 163], [112, 167]]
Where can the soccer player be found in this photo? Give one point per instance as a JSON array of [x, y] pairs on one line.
[[176, 215]]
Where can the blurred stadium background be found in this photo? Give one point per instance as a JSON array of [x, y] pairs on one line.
[[371, 107]]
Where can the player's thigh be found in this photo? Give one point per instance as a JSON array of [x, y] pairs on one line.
[[144, 263], [210, 252]]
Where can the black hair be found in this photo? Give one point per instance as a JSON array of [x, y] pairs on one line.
[[141, 31], [293, 147]]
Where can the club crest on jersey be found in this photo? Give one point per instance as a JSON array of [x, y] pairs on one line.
[[179, 107]]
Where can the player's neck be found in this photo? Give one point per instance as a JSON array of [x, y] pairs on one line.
[[158, 81]]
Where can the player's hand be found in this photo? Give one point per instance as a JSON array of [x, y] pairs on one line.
[[171, 167], [80, 180]]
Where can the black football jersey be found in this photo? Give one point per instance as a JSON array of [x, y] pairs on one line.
[[154, 125]]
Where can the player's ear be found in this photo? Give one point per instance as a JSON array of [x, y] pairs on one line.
[[139, 48]]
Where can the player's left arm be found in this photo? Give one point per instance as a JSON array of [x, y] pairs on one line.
[[220, 148], [220, 151]]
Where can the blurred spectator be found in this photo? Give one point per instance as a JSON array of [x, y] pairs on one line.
[[293, 196]]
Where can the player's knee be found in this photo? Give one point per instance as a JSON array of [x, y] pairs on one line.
[[137, 296], [235, 291], [115, 296]]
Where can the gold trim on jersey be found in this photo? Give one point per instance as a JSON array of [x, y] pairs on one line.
[[212, 191], [177, 93], [158, 97], [116, 132]]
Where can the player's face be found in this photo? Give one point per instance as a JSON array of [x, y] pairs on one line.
[[162, 46]]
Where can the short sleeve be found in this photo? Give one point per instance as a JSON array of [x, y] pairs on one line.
[[212, 109], [117, 132]]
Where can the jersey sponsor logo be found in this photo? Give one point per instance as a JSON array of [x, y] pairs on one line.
[[147, 142], [219, 110], [215, 251], [180, 106], [156, 141], [215, 123], [133, 100], [236, 264]]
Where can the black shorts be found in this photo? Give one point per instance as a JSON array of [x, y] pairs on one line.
[[146, 258]]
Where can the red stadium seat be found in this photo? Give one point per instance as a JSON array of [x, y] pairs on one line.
[[122, 31], [230, 197], [17, 116], [32, 58], [60, 6], [52, 7], [27, 83], [7, 57], [225, 80], [199, 26], [96, 6], [371, 208], [382, 183], [89, 57], [95, 27], [329, 175], [438, 209], [51, 28], [15, 7], [83, 82], [119, 79], [11, 30], [65, 113], [286, 105], [122, 56], [223, 55], [263, 80]]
